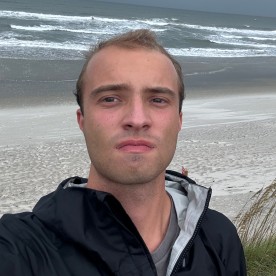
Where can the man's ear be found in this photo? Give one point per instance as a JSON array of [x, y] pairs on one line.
[[180, 120], [80, 119]]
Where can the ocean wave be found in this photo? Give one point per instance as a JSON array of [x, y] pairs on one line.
[[220, 53], [154, 22], [136, 23], [108, 20], [142, 23], [244, 44], [43, 16], [246, 32], [63, 35], [201, 42], [228, 36], [209, 72], [71, 19], [46, 28], [262, 38], [15, 43]]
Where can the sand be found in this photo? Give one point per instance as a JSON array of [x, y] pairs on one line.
[[227, 143]]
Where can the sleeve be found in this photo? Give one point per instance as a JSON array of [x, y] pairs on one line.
[[12, 262]]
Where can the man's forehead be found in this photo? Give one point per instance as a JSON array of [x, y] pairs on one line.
[[117, 64], [110, 53]]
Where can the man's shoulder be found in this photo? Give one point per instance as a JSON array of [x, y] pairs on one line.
[[15, 238], [25, 232], [217, 218], [13, 222], [18, 229], [217, 221], [219, 232]]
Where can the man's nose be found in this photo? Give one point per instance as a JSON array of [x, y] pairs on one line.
[[137, 115]]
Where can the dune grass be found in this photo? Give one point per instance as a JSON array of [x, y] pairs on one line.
[[256, 224]]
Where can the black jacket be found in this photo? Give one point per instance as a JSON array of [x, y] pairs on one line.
[[80, 231]]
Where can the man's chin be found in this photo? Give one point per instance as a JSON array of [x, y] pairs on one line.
[[136, 175], [137, 161]]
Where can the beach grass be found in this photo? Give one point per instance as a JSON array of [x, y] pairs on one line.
[[261, 258], [256, 227]]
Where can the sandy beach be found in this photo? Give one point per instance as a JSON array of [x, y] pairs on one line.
[[227, 140]]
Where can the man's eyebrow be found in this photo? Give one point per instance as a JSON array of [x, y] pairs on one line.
[[124, 86], [161, 90], [108, 87]]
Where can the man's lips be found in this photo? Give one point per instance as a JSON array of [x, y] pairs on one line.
[[137, 146]]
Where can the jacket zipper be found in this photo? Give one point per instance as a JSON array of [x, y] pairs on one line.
[[188, 246]]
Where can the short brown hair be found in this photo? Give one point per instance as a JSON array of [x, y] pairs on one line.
[[142, 38]]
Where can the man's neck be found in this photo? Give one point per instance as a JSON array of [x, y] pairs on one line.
[[148, 205], [150, 213]]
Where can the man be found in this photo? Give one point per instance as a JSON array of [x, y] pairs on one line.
[[130, 217]]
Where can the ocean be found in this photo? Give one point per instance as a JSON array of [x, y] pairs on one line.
[[64, 30]]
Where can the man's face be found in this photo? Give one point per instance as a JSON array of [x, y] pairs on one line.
[[131, 114]]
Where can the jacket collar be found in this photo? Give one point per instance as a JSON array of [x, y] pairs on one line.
[[191, 202]]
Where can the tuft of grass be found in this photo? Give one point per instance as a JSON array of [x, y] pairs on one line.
[[260, 259], [256, 224]]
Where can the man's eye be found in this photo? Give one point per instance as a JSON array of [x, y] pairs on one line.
[[110, 99], [158, 100]]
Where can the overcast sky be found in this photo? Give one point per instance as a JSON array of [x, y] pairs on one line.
[[253, 7]]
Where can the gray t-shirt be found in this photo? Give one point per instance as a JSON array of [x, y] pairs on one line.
[[161, 255]]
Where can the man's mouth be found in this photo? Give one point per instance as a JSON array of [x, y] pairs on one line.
[[135, 146]]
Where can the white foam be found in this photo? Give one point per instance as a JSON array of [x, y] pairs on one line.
[[42, 16], [45, 28], [203, 52], [262, 38], [246, 32], [208, 72], [42, 44], [155, 22]]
